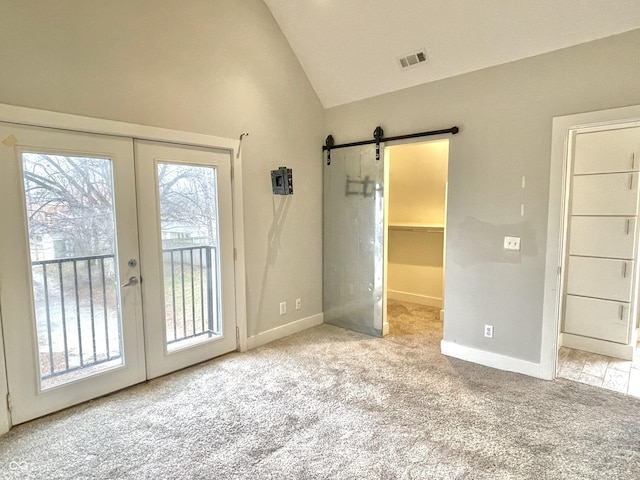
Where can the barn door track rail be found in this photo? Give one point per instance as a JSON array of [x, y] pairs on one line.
[[378, 138]]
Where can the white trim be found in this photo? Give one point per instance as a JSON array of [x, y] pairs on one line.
[[555, 222], [5, 417], [238, 239], [494, 360], [385, 328], [263, 338], [415, 298], [593, 345], [77, 123]]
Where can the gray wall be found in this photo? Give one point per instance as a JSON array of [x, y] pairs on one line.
[[505, 115], [220, 67]]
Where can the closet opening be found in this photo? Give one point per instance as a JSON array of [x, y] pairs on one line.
[[416, 179]]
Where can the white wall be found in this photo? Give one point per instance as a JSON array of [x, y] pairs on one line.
[[417, 187], [220, 67], [504, 114]]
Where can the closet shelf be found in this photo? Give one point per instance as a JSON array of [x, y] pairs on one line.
[[418, 227]]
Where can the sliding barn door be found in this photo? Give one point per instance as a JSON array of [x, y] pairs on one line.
[[353, 239]]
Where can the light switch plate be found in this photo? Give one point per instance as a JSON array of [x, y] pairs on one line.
[[512, 243]]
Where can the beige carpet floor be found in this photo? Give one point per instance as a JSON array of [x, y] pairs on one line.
[[333, 404]]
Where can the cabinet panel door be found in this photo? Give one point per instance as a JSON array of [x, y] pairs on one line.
[[612, 237], [600, 277], [609, 194], [607, 151], [595, 318]]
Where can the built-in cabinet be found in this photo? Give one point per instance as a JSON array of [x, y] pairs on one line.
[[601, 282]]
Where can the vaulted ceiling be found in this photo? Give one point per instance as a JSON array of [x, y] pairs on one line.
[[349, 49]]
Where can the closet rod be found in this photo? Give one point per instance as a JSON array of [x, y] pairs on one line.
[[330, 146]]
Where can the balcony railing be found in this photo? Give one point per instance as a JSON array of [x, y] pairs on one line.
[[189, 276], [77, 311]]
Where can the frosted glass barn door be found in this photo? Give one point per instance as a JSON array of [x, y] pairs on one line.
[[353, 239]]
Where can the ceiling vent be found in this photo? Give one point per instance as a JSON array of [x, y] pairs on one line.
[[413, 59]]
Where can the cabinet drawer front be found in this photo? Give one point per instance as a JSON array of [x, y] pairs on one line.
[[600, 277], [612, 237], [594, 318], [608, 194], [607, 151]]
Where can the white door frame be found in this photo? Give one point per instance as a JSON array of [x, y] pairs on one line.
[[76, 123], [563, 127], [387, 146]]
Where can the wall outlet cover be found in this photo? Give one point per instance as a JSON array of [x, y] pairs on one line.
[[512, 243], [488, 331]]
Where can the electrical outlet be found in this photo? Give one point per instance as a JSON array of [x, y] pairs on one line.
[[298, 303], [283, 308], [512, 243], [488, 331]]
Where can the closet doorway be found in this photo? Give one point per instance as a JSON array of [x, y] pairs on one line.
[[415, 231]]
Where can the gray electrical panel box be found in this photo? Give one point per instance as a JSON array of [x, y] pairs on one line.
[[282, 181]]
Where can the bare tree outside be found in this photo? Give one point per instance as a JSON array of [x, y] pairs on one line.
[[70, 204], [187, 205]]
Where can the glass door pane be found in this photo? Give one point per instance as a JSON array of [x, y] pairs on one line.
[[71, 233], [189, 231]]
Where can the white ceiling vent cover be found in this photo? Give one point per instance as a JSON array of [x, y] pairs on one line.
[[413, 59]]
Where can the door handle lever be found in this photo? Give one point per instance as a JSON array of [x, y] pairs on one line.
[[133, 281]]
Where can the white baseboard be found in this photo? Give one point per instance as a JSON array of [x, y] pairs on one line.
[[4, 423], [284, 331], [495, 360], [385, 328], [415, 298], [600, 347]]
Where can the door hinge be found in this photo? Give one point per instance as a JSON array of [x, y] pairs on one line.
[[235, 254], [559, 270], [9, 402]]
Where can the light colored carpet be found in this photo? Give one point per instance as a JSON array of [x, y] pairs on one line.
[[329, 403]]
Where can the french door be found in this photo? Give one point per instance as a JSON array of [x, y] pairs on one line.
[[185, 195], [71, 275]]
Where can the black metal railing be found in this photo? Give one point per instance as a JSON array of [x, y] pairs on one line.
[[77, 311], [190, 292]]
